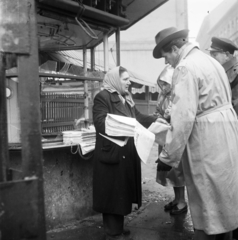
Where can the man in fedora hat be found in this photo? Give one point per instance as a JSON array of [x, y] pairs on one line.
[[204, 134], [222, 49]]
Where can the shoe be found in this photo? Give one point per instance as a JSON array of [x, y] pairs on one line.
[[177, 211], [118, 237], [126, 231], [170, 206]]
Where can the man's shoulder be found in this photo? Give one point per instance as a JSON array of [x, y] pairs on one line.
[[195, 58]]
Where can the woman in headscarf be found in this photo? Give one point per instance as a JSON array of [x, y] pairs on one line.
[[117, 170], [175, 176]]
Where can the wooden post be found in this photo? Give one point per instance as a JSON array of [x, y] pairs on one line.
[[29, 104]]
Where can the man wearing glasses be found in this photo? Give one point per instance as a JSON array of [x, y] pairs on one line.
[[222, 49]]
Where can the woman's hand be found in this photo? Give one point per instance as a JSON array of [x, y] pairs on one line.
[[162, 166]]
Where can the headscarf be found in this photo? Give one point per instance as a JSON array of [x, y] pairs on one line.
[[112, 83], [164, 102], [166, 75]]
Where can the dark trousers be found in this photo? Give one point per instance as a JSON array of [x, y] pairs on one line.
[[235, 234], [199, 234], [224, 236], [113, 224]]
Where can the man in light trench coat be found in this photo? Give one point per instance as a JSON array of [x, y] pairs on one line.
[[204, 134]]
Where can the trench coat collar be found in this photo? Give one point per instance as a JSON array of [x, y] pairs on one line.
[[230, 64], [117, 103], [184, 51]]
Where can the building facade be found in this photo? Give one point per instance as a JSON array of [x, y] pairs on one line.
[[221, 22]]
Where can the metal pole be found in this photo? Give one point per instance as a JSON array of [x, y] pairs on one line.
[[93, 85], [118, 50], [3, 120], [86, 104], [105, 52], [29, 104], [92, 59]]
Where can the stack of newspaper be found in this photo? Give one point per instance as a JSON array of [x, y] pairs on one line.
[[86, 138], [144, 139], [120, 126], [116, 126]]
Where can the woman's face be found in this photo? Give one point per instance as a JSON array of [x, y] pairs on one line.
[[125, 82], [165, 87]]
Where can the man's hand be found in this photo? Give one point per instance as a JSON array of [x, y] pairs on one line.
[[161, 120], [162, 166]]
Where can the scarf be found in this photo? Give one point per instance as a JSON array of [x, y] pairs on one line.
[[112, 83]]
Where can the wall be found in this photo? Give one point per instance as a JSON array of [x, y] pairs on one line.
[[221, 22], [67, 185]]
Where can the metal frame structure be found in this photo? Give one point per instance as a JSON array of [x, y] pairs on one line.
[[22, 202]]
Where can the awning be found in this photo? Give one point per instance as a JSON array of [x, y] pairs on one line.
[[138, 9], [75, 58], [69, 24]]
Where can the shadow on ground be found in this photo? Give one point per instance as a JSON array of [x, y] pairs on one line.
[[148, 223]]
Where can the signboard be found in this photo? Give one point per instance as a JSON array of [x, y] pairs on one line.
[[14, 26]]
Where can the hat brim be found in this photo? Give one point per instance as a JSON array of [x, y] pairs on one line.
[[229, 45], [210, 49], [178, 34]]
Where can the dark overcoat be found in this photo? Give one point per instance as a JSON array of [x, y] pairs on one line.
[[231, 68], [117, 170]]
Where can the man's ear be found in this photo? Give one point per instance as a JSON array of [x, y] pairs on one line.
[[175, 48], [228, 54]]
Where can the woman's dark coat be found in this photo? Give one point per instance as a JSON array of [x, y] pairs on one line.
[[117, 170]]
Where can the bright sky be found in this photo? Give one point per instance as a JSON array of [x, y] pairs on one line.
[[197, 11]]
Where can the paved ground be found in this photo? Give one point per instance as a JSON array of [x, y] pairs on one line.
[[150, 222]]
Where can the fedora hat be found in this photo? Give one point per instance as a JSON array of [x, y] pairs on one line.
[[166, 36], [222, 44]]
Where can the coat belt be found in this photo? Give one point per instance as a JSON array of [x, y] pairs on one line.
[[215, 109]]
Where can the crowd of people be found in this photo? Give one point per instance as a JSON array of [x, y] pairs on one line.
[[199, 99]]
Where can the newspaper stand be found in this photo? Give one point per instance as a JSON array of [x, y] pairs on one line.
[[22, 208]]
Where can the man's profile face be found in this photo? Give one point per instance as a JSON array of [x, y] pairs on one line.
[[170, 57], [220, 56]]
